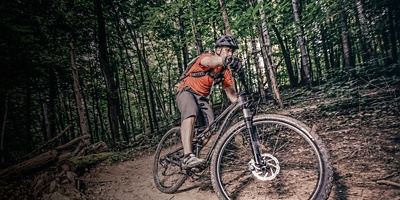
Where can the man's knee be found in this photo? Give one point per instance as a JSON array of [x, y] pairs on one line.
[[189, 118], [188, 122]]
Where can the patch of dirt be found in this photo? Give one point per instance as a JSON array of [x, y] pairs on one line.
[[134, 180], [364, 143]]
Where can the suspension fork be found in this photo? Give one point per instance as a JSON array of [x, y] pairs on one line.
[[248, 119]]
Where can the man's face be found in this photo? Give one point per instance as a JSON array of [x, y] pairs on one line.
[[226, 51]]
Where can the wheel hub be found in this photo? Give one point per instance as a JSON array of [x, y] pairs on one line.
[[267, 172]]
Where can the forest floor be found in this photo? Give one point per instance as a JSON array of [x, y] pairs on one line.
[[359, 125]]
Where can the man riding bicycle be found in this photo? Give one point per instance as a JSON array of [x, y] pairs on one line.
[[194, 89]]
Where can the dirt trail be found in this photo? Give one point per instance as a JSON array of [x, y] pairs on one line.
[[363, 145], [134, 180], [354, 179]]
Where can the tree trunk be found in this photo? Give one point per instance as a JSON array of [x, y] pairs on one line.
[[87, 115], [227, 32], [325, 50], [310, 67], [183, 45], [345, 34], [120, 111], [51, 103], [331, 58], [78, 94], [265, 34], [304, 61], [385, 46], [104, 134], [112, 96], [260, 81], [274, 85], [197, 34], [366, 46], [392, 31], [31, 165], [225, 17], [268, 58], [66, 114], [286, 55], [317, 63], [46, 117]]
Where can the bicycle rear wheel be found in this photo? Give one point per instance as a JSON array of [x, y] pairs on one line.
[[298, 163], [167, 171]]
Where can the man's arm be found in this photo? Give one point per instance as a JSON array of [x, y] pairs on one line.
[[212, 61], [231, 93]]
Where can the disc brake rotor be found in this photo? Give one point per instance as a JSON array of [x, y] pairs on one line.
[[267, 172]]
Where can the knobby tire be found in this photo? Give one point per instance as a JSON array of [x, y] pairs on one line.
[[305, 164]]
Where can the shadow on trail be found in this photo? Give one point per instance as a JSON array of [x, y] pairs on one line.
[[341, 190], [187, 189], [203, 185]]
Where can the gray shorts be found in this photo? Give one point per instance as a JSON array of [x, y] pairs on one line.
[[192, 104]]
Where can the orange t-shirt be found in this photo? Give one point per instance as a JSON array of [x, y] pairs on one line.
[[202, 85]]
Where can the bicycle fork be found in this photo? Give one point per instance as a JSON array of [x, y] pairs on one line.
[[248, 118]]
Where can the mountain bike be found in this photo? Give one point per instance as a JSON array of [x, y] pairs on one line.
[[261, 156]]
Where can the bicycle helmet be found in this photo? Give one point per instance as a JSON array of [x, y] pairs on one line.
[[227, 41]]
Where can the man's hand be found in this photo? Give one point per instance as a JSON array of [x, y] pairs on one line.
[[234, 63]]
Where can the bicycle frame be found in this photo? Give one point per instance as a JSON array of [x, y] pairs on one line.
[[226, 115]]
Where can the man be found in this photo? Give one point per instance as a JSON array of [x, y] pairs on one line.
[[194, 89]]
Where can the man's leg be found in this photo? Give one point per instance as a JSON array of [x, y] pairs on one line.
[[208, 115], [187, 134], [187, 104], [189, 160]]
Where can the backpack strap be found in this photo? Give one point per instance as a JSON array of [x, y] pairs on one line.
[[219, 76], [198, 74], [190, 64]]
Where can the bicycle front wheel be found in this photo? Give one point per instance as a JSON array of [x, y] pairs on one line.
[[167, 170], [298, 165]]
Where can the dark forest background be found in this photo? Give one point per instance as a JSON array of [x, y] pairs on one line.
[[108, 69]]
